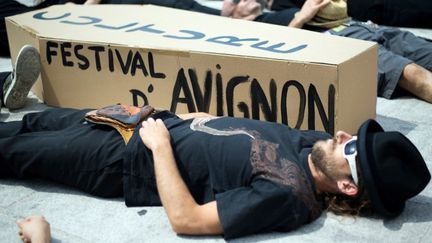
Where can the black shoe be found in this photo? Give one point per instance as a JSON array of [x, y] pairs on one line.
[[25, 74]]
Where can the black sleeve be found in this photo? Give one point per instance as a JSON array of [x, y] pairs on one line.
[[282, 17], [264, 206]]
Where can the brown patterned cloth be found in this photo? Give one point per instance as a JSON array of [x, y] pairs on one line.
[[124, 118]]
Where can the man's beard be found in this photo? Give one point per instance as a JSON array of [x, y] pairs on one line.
[[324, 162]]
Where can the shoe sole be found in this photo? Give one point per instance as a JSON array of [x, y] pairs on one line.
[[27, 69]]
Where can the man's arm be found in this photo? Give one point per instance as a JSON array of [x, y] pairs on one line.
[[309, 9], [184, 214], [241, 9]]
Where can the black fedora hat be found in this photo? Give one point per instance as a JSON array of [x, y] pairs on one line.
[[391, 167]]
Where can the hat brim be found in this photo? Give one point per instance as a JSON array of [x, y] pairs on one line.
[[328, 24], [367, 168]]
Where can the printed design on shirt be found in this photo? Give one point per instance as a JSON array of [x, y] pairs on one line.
[[199, 124], [267, 164]]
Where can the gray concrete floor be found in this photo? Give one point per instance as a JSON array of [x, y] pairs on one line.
[[79, 217]]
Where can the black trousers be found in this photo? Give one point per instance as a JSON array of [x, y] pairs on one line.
[[59, 145], [404, 13], [3, 76], [396, 50]]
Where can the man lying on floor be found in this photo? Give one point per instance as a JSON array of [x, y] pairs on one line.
[[217, 175]]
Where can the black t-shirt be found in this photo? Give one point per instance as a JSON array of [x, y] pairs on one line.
[[256, 171]]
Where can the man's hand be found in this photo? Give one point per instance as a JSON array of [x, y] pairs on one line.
[[34, 229], [244, 9], [309, 9], [269, 4], [154, 134]]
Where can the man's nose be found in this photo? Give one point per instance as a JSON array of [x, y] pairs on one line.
[[342, 137]]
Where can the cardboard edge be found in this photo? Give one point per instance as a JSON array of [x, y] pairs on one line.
[[358, 76], [19, 17]]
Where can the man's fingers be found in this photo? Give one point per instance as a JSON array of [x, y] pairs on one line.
[[153, 122], [150, 120], [324, 3], [19, 222], [147, 122], [252, 4], [160, 122]]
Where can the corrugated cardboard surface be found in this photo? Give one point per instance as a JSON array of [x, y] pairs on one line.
[[187, 62]]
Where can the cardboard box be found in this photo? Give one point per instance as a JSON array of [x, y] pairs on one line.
[[94, 56]]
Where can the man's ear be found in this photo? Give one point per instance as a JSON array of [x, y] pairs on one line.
[[347, 187]]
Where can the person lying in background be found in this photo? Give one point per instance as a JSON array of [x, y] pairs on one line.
[[404, 60]]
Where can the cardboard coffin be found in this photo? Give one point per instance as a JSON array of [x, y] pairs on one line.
[[93, 56]]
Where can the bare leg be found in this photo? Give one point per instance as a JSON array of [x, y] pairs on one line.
[[34, 229], [418, 81]]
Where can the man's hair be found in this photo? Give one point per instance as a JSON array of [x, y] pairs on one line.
[[341, 204], [345, 205]]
